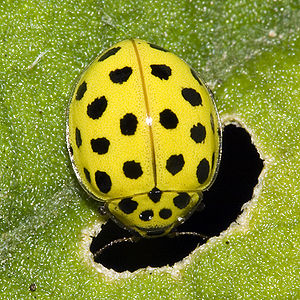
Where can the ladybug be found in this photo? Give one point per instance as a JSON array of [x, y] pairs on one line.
[[144, 136]]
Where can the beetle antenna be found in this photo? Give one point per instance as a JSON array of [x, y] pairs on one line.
[[131, 239], [176, 233]]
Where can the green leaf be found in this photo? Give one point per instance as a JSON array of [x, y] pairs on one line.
[[249, 53]]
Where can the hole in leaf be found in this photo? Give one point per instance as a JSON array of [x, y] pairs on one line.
[[238, 174]]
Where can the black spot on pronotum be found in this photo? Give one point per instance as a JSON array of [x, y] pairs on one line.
[[128, 124], [175, 164], [168, 119], [146, 215], [103, 181], [120, 75], [182, 200], [165, 213], [109, 53], [203, 171], [96, 109], [80, 91], [78, 137], [155, 195], [87, 175], [158, 47], [195, 75], [132, 169], [191, 96], [198, 133], [127, 205], [100, 145], [161, 71]]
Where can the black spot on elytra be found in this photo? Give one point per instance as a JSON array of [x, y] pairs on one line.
[[168, 119], [132, 169], [109, 53], [78, 137], [161, 71], [87, 175], [191, 96], [97, 108], [103, 181], [80, 91], [146, 215], [175, 164], [195, 75], [100, 145], [155, 195], [203, 171], [128, 124], [120, 75], [182, 200], [198, 133], [127, 205], [158, 47], [165, 213]]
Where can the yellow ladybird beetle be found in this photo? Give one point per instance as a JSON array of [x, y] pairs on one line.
[[144, 136]]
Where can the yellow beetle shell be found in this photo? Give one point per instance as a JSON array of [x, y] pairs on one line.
[[144, 136]]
